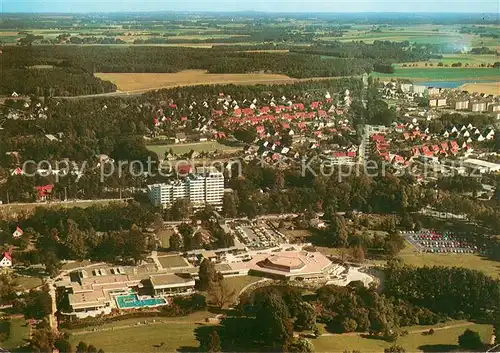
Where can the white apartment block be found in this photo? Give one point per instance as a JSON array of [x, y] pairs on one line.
[[461, 105], [437, 102], [205, 186], [478, 107], [433, 91], [419, 89]]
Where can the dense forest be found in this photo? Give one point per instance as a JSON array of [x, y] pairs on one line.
[[426, 296], [69, 70], [112, 233], [52, 82]]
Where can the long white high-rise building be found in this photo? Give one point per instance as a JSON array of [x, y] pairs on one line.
[[205, 186]]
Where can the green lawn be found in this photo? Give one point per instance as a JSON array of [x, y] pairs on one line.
[[172, 261], [442, 340], [175, 333], [472, 261], [145, 338], [198, 316], [182, 148], [16, 333], [239, 282], [451, 74], [27, 283]]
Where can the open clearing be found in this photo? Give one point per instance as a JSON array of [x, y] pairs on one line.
[[182, 148], [239, 282], [174, 333], [436, 74], [488, 88], [16, 332], [443, 340], [137, 82], [471, 261]]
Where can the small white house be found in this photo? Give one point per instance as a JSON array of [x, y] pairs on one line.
[[6, 260], [17, 233]]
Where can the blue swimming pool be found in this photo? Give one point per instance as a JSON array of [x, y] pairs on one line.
[[132, 301]]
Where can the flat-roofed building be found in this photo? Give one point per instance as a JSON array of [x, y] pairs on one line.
[[98, 291], [419, 89], [482, 166], [172, 284], [290, 265], [204, 187]]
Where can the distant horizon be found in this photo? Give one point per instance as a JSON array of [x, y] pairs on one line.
[[247, 11], [257, 6]]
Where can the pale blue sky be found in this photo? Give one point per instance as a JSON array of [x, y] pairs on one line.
[[484, 6]]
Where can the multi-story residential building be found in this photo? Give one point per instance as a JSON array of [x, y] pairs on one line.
[[460, 104], [478, 106], [419, 89], [494, 107], [205, 186], [434, 91], [437, 102]]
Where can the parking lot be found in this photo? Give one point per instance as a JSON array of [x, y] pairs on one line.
[[435, 242], [259, 236]]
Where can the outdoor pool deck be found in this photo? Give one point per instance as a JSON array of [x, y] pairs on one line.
[[131, 301]]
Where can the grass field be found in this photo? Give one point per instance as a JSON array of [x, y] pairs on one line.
[[27, 283], [18, 332], [446, 74], [475, 262], [443, 340], [173, 332], [172, 261], [138, 82], [488, 88], [239, 282], [208, 146]]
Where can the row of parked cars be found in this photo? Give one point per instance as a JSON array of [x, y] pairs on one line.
[[434, 242]]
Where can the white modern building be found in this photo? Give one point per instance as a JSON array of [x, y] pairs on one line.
[[205, 186], [482, 166], [419, 89]]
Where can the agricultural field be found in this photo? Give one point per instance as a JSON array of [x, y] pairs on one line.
[[183, 148], [13, 333], [442, 74], [472, 261], [488, 88], [444, 339], [141, 82], [432, 34], [166, 335], [472, 60]]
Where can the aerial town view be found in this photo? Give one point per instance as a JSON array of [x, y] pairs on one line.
[[270, 176]]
